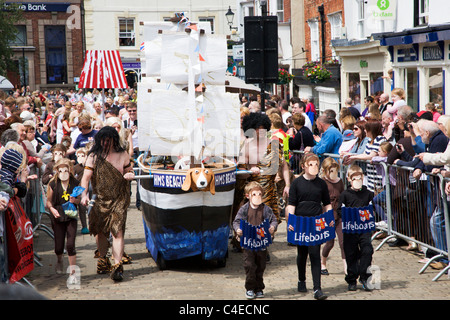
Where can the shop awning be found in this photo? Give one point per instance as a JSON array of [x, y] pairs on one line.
[[236, 85], [5, 83], [102, 69]]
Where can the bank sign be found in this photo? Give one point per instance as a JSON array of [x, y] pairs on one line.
[[40, 6], [382, 9]]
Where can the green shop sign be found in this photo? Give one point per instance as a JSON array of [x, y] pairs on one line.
[[383, 9]]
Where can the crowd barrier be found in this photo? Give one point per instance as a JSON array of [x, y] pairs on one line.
[[34, 206], [406, 208]]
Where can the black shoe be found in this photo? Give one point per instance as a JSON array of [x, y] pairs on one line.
[[352, 287], [324, 272], [398, 243], [364, 285], [302, 286], [319, 295]]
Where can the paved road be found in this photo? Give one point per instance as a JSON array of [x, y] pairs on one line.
[[198, 280]]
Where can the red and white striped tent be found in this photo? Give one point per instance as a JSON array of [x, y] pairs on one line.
[[102, 69]]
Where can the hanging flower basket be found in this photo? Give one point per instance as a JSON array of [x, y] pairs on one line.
[[284, 77], [316, 73]]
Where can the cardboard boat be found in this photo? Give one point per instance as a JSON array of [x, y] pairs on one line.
[[180, 224]]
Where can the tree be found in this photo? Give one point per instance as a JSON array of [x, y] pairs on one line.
[[10, 14]]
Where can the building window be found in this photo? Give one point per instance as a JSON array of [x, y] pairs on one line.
[[55, 54], [361, 17], [21, 36], [314, 33], [412, 92], [208, 19], [421, 12], [126, 32], [335, 20], [280, 10], [376, 84], [354, 90], [436, 87]]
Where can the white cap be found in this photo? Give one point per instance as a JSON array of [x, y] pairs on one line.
[[26, 115]]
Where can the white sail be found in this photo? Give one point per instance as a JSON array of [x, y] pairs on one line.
[[179, 119]]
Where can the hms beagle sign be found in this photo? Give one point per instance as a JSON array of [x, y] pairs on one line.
[[176, 180], [40, 6]]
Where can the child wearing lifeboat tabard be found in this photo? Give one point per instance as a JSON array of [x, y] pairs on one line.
[[357, 246], [254, 212]]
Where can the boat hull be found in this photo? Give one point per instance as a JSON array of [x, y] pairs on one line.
[[180, 224]]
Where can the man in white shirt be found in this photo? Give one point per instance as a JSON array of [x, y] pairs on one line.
[[299, 107], [284, 109]]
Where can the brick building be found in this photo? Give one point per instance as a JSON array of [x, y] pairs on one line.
[[323, 21], [321, 27], [49, 48]]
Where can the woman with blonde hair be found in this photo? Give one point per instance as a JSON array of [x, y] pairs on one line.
[[124, 133], [398, 97]]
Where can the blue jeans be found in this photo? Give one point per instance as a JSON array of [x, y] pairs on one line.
[[379, 204], [437, 226]]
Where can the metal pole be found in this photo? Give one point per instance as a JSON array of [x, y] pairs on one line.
[[263, 85]]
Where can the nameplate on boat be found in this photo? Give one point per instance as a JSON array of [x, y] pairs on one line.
[[164, 180]]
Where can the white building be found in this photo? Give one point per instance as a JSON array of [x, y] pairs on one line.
[[115, 24], [409, 37]]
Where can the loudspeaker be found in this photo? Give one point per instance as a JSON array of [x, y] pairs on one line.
[[261, 49]]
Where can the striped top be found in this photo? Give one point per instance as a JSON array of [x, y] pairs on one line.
[[373, 179], [375, 146]]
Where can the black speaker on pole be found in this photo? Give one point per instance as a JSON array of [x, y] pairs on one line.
[[261, 49]]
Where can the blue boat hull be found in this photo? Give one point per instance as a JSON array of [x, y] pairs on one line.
[[181, 224]]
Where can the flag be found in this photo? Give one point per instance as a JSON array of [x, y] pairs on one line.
[[358, 220], [311, 231], [255, 237]]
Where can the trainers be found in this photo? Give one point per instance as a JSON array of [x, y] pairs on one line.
[[352, 287], [364, 285], [302, 286], [319, 295], [381, 224], [250, 294], [259, 294]]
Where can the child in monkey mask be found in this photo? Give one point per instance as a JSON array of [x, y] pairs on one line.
[[254, 212], [59, 192], [357, 246], [330, 174]]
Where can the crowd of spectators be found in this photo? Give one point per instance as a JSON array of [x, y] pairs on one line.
[[54, 124], [383, 129]]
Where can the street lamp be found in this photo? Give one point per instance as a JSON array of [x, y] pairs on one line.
[[230, 16]]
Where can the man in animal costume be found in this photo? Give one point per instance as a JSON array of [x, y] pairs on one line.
[[108, 164]]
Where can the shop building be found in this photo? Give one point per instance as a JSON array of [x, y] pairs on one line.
[[401, 43], [421, 64], [49, 48]]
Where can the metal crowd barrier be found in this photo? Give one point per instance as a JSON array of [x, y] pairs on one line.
[[414, 210], [34, 207]]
